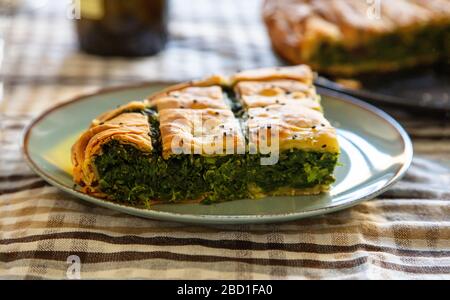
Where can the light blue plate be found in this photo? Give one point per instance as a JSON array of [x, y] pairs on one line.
[[376, 152]]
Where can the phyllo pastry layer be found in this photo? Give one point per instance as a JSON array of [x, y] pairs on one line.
[[201, 131], [347, 37], [296, 127], [250, 135]]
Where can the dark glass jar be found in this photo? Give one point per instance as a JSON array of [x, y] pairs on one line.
[[122, 27]]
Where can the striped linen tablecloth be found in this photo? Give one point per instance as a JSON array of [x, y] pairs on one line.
[[45, 233]]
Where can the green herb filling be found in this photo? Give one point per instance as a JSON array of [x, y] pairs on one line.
[[133, 177], [428, 42]]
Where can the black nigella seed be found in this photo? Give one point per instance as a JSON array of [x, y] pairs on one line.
[[120, 124], [217, 113], [222, 126], [294, 137], [102, 123], [314, 127], [324, 146], [323, 125], [181, 106], [194, 101]]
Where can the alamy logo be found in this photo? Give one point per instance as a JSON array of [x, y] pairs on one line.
[[374, 9], [74, 269]]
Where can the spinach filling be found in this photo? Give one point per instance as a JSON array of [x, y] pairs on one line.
[[133, 177], [425, 43]]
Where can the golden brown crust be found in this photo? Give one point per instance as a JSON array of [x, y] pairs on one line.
[[133, 106], [206, 82], [301, 73], [281, 91], [191, 97], [127, 128], [298, 27], [208, 126], [205, 132]]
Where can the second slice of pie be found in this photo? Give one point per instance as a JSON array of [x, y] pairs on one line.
[[254, 134]]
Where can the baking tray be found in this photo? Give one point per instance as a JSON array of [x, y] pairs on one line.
[[425, 88]]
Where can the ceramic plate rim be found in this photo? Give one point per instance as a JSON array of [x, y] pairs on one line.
[[218, 219]]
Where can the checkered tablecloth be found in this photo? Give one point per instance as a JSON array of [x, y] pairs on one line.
[[405, 233]]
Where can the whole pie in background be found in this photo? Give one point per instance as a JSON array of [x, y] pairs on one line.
[[349, 37]]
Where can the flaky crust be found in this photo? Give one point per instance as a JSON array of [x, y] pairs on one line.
[[298, 128], [208, 126], [191, 97], [279, 91], [298, 27]]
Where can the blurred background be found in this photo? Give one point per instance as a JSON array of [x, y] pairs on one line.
[[42, 51]]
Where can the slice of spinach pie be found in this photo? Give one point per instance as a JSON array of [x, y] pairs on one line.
[[348, 37], [250, 135]]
